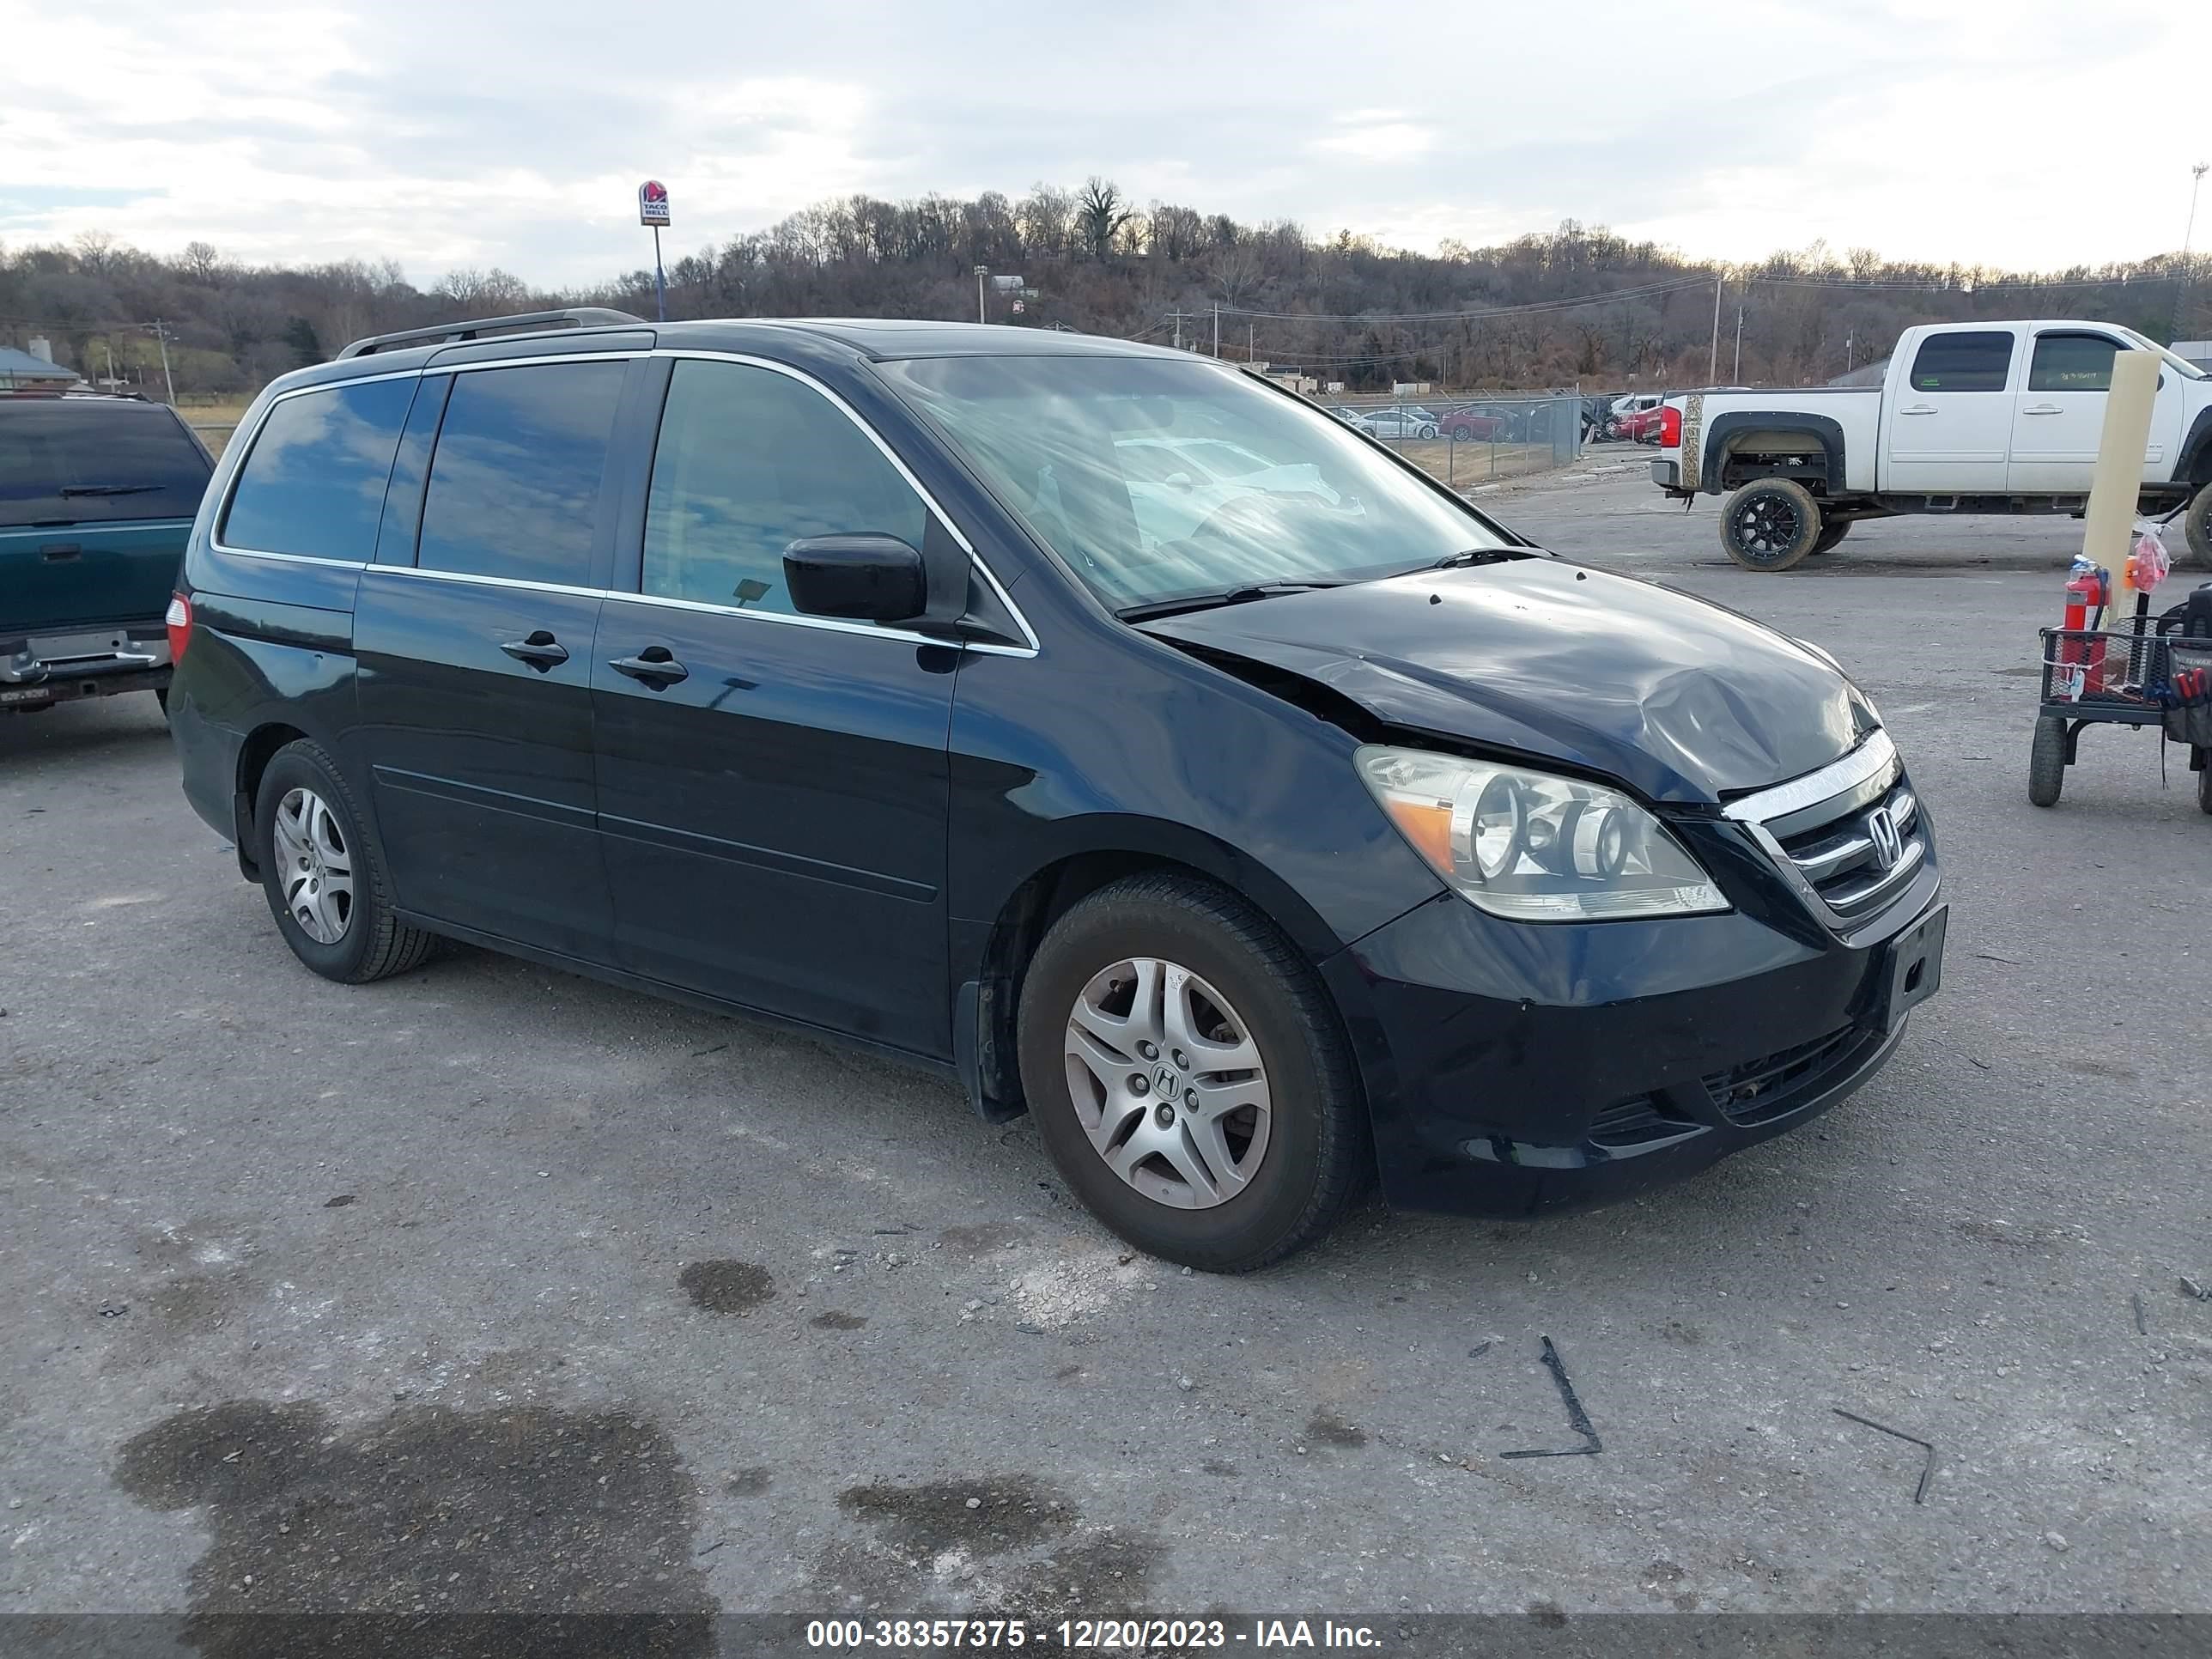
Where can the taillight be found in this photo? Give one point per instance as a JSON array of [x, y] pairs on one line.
[[180, 622], [1670, 427]]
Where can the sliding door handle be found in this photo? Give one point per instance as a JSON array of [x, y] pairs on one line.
[[541, 650], [651, 666]]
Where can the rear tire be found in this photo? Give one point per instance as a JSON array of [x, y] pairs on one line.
[[1771, 523], [2047, 762], [2204, 781], [321, 843], [1830, 533], [1314, 1146], [2196, 528]]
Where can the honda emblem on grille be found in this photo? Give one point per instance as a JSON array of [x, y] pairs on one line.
[[1888, 845]]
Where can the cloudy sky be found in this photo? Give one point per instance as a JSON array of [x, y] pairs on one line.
[[514, 132]]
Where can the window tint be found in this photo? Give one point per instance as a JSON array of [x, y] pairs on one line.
[[749, 462], [2072, 362], [1962, 362], [315, 483], [95, 460], [514, 481]]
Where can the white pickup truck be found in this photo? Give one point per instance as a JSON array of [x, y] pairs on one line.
[[1972, 417]]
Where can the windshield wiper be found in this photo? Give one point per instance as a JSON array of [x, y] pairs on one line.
[[1474, 555], [104, 490], [1242, 594]]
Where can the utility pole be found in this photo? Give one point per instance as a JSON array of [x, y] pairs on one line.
[[1217, 330], [1251, 338], [2180, 289], [1849, 339], [1178, 333], [1736, 373], [161, 334], [1713, 362], [981, 273]]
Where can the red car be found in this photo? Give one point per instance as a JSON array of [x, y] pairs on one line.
[[1642, 425], [1472, 426]]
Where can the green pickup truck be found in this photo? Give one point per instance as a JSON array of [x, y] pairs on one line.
[[97, 496]]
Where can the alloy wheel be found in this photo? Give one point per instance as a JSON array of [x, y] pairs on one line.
[[1767, 524], [316, 865], [1168, 1083]]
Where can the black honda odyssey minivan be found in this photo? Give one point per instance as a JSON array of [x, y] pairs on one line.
[[1096, 724]]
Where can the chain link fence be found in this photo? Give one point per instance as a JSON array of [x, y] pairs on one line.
[[1466, 442]]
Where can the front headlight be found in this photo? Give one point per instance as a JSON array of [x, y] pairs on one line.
[[1535, 847]]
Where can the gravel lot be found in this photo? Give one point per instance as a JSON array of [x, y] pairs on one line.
[[493, 1287]]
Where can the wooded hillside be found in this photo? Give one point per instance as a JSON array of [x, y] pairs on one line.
[[1578, 305]]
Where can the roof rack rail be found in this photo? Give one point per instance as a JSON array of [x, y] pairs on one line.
[[522, 322]]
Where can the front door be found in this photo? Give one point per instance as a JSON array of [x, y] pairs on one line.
[[475, 663], [1948, 428], [2058, 419], [773, 787]]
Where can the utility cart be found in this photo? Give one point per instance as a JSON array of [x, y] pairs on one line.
[[2150, 673]]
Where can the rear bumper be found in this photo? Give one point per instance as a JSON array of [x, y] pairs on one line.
[[1666, 474], [1617, 1071], [38, 670]]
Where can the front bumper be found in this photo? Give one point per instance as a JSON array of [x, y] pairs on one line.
[[1513, 1070]]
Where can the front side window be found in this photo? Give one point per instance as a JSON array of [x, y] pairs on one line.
[[314, 481], [65, 460], [1112, 461], [749, 462], [515, 479], [2072, 362], [1963, 362]]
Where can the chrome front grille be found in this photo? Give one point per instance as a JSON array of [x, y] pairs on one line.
[[1854, 864], [1849, 836]]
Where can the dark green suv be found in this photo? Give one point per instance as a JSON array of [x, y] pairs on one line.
[[97, 494]]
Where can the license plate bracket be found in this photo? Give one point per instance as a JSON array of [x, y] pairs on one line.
[[1913, 964]]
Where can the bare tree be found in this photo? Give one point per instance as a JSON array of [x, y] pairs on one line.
[[96, 251], [200, 262], [1099, 216]]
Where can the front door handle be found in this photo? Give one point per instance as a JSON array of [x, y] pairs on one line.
[[541, 651], [2040, 409], [654, 667]]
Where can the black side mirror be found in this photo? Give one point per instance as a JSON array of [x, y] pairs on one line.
[[869, 578]]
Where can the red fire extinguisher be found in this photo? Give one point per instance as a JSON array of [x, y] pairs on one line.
[[2088, 589]]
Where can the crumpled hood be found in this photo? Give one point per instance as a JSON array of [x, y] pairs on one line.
[[1682, 700]]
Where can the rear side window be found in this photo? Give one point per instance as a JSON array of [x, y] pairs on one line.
[[514, 481], [314, 484], [2072, 362], [1963, 362], [95, 461], [749, 462]]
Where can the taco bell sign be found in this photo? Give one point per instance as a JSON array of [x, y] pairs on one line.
[[653, 204]]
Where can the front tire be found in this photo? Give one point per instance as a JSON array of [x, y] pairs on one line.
[[1189, 1075], [1770, 525], [2197, 527], [323, 877], [2047, 762]]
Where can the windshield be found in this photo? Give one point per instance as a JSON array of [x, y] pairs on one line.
[[2180, 366], [1158, 480], [95, 460]]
